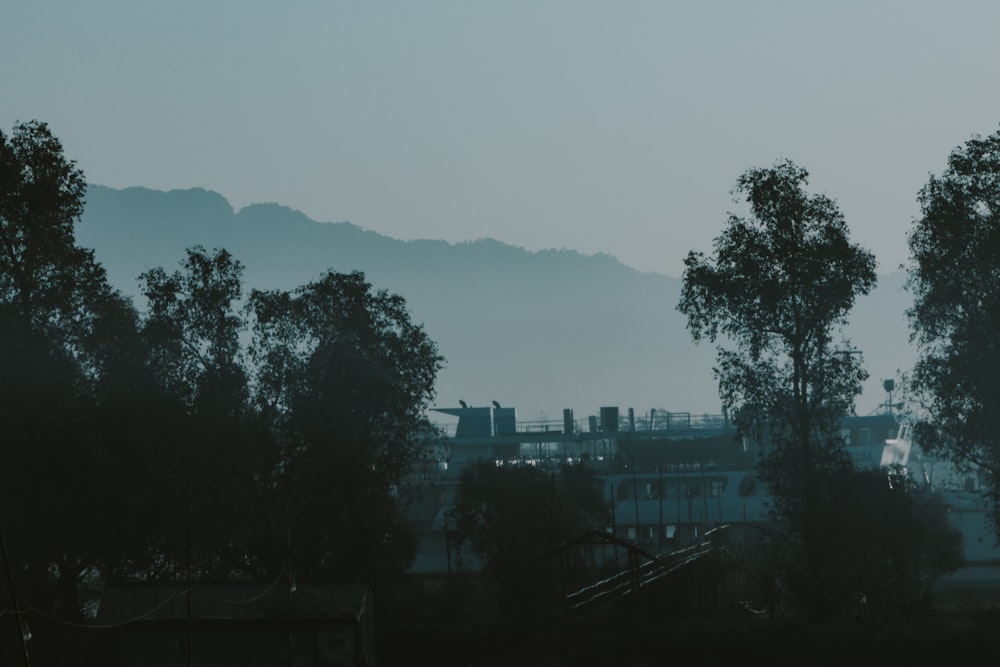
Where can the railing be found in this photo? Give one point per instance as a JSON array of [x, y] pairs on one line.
[[653, 421]]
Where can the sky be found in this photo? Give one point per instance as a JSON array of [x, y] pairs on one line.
[[602, 127]]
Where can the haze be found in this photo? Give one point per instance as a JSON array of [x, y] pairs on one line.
[[614, 128]]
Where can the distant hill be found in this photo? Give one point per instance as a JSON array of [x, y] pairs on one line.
[[539, 331]]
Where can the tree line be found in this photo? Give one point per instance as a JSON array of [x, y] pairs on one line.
[[215, 433], [245, 436], [775, 295]]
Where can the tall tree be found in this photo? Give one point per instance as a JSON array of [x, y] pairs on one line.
[[48, 285], [954, 275], [194, 323], [344, 377], [57, 502], [193, 326], [41, 200], [778, 289]]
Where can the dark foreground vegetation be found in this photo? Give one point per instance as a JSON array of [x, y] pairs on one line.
[[955, 639], [213, 435]]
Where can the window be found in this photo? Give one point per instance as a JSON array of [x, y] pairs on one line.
[[670, 531], [631, 534], [717, 486]]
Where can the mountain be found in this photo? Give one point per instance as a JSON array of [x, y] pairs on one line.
[[538, 331]]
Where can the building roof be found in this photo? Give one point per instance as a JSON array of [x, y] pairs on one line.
[[128, 603]]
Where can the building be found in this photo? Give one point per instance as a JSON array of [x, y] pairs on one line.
[[670, 478], [305, 625]]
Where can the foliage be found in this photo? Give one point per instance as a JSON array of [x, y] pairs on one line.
[[41, 199], [891, 540], [135, 446], [343, 376], [193, 328], [779, 288], [510, 516], [64, 334], [218, 465], [954, 275]]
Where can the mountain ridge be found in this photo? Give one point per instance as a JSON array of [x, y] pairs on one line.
[[537, 330]]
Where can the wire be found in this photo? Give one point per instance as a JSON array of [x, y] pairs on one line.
[[107, 625], [148, 612], [251, 599]]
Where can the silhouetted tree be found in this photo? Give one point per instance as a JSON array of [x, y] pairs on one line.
[[194, 324], [221, 463], [41, 199], [57, 507], [79, 474], [954, 275], [509, 516], [890, 540], [778, 288], [49, 286], [130, 441], [894, 554], [343, 378]]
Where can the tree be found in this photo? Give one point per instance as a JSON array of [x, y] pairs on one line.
[[779, 288], [894, 555], [954, 275], [220, 459], [61, 472], [194, 324], [510, 516], [41, 199], [343, 378], [48, 285]]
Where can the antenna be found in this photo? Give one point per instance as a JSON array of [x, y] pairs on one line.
[[889, 386]]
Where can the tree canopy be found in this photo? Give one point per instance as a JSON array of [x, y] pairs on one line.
[[41, 199], [343, 377], [219, 434], [510, 516], [63, 333], [778, 290], [954, 275]]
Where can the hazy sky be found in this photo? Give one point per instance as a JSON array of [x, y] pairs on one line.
[[615, 127]]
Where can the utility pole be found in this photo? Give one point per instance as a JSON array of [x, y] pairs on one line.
[[190, 585], [291, 588], [890, 386], [659, 495], [635, 501]]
